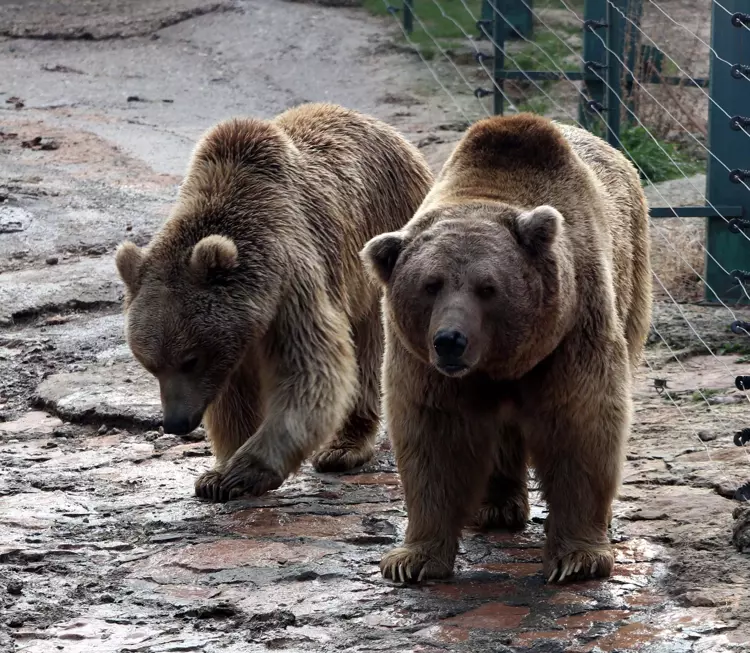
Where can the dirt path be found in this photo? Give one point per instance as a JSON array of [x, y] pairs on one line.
[[103, 548]]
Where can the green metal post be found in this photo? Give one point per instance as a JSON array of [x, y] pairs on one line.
[[408, 9], [730, 90], [615, 53], [634, 53], [498, 58], [594, 15], [485, 18], [517, 12]]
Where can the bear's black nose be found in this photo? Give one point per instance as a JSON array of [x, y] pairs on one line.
[[450, 344], [180, 424]]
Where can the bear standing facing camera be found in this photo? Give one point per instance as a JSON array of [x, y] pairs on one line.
[[251, 306], [517, 303]]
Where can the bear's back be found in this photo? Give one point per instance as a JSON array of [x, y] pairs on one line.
[[357, 178], [625, 216]]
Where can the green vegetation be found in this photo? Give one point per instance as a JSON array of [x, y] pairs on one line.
[[446, 21], [703, 394], [453, 22], [548, 51], [734, 348], [536, 104], [652, 157], [450, 26]]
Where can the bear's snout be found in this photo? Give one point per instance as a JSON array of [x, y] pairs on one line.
[[450, 346], [181, 424]]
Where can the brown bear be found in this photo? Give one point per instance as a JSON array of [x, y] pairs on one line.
[[251, 306], [517, 302]]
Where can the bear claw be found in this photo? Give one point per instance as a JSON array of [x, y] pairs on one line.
[[407, 565], [207, 485], [581, 565]]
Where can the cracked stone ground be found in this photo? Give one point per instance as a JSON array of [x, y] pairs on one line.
[[102, 546]]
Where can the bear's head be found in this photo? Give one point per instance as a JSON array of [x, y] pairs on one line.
[[476, 288], [192, 313]]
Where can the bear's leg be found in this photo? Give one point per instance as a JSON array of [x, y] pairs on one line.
[[353, 445], [312, 385], [230, 420], [579, 467], [506, 501], [444, 462]]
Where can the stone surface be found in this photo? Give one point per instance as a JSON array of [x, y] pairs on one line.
[[124, 394], [86, 283], [104, 548]]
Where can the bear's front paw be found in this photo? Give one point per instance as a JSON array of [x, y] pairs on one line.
[[342, 459], [251, 480], [579, 565], [242, 477], [207, 485], [511, 515], [413, 565]]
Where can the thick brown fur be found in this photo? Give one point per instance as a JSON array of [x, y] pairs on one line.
[[531, 252], [251, 305]]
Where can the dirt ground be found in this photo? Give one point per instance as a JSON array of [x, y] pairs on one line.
[[102, 545]]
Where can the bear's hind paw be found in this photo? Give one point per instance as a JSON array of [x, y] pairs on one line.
[[411, 565], [512, 515], [342, 459]]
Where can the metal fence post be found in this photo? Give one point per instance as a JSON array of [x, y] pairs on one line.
[[498, 57], [408, 9], [634, 54], [730, 145], [594, 15], [517, 12], [615, 54]]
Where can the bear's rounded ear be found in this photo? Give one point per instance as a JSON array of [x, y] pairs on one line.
[[537, 229], [213, 255], [128, 260], [381, 253]]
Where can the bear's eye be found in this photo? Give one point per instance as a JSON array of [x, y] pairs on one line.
[[485, 292], [189, 365], [433, 287]]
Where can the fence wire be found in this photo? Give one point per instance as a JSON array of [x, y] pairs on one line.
[[545, 54]]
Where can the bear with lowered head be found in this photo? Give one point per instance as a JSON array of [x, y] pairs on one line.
[[517, 303], [251, 306]]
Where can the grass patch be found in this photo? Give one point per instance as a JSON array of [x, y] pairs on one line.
[[450, 24], [538, 104], [551, 53], [733, 348], [704, 393], [657, 160], [446, 21]]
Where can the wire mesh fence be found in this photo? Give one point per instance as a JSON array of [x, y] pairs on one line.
[[668, 83]]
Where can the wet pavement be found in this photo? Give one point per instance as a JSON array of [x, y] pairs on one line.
[[102, 545]]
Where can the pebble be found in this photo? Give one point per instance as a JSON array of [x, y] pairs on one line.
[[51, 260], [15, 587]]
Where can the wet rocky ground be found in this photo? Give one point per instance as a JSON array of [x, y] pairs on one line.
[[102, 545]]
